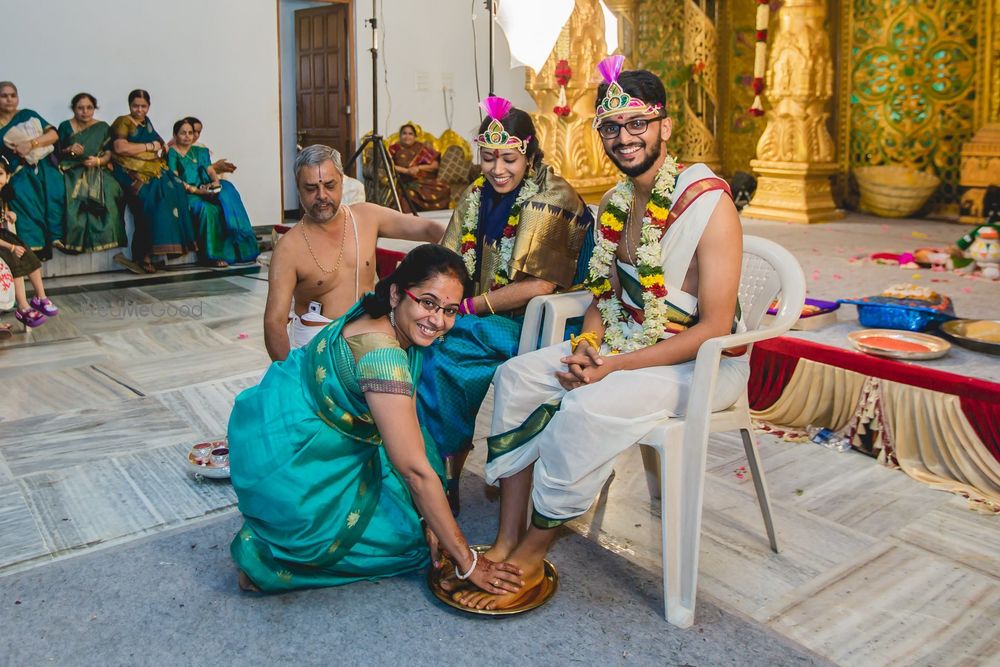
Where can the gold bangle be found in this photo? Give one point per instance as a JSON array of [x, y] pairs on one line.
[[488, 304], [589, 336]]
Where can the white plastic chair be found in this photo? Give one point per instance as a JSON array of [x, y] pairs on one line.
[[682, 443]]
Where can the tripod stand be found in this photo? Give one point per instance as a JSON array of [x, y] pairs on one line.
[[380, 156]]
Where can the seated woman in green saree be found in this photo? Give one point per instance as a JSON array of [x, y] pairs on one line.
[[154, 194], [327, 457], [225, 235], [94, 199], [38, 195]]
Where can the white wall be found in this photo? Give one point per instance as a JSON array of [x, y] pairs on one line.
[[422, 44], [286, 33], [432, 41], [214, 59]]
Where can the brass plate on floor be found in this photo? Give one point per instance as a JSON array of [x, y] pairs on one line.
[[539, 596]]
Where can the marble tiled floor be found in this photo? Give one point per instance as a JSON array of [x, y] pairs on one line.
[[97, 413], [98, 407]]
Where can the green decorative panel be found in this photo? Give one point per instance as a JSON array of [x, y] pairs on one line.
[[739, 131], [912, 83]]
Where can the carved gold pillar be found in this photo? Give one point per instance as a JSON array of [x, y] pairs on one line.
[[795, 154], [571, 145], [698, 134]]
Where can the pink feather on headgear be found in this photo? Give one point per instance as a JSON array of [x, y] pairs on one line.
[[496, 107], [495, 136], [611, 67]]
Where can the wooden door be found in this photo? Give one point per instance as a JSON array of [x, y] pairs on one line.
[[323, 90]]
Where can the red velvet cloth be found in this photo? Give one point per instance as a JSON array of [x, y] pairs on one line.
[[386, 261], [769, 373], [773, 362], [984, 417]]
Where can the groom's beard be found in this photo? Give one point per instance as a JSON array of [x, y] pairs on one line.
[[653, 154]]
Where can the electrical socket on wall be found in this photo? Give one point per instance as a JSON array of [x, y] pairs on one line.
[[448, 80], [423, 81]]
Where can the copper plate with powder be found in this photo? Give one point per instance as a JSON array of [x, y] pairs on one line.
[[897, 344]]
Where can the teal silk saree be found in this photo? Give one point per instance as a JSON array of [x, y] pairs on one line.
[[221, 221], [322, 503], [94, 199], [39, 195], [155, 196]]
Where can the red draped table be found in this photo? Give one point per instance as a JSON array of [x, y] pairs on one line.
[[940, 428]]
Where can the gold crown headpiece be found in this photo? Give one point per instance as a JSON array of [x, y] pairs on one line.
[[616, 101], [495, 136]]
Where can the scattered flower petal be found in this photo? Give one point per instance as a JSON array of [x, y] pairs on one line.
[[967, 290], [918, 235], [243, 335]]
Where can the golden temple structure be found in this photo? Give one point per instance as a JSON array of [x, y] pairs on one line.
[[848, 84]]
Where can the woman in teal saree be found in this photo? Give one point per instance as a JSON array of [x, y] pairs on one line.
[[94, 198], [225, 235], [327, 458], [37, 189], [154, 194]]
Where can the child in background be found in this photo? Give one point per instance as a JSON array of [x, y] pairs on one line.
[[22, 262]]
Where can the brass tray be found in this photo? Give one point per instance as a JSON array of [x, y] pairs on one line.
[[934, 347], [542, 593], [973, 334]]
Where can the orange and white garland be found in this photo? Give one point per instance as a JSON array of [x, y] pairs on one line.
[[470, 223], [617, 334]]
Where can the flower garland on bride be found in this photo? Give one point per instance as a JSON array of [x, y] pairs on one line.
[[471, 223], [618, 336]]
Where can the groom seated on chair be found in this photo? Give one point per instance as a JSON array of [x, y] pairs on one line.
[[665, 274]]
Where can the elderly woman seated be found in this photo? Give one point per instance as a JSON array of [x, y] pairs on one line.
[[416, 164]]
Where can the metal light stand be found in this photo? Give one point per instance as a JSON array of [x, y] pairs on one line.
[[491, 7], [380, 156]]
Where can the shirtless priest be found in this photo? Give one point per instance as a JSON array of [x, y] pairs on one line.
[[665, 274], [327, 261]]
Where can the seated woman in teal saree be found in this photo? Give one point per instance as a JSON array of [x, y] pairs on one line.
[[38, 195], [225, 235], [326, 454], [154, 194], [94, 199]]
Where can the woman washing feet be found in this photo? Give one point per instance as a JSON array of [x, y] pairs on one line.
[[333, 478]]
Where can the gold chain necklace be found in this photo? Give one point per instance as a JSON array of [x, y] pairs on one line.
[[340, 257]]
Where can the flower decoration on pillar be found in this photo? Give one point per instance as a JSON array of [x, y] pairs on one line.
[[760, 56], [563, 75]]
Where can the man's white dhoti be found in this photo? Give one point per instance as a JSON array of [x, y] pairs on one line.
[[575, 451], [302, 329]]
